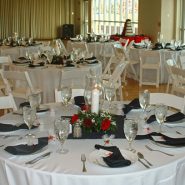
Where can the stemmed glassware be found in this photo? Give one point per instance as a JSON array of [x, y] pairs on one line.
[[160, 114], [109, 91], [35, 100], [130, 130], [29, 116], [144, 101], [61, 128], [66, 94]]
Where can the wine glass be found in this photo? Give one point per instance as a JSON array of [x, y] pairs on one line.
[[130, 130], [29, 116], [66, 94], [160, 114], [35, 100], [144, 101], [109, 90], [61, 128]]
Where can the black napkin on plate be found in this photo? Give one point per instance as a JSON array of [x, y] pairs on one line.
[[21, 62], [9, 127], [22, 58], [24, 149], [37, 65], [134, 104], [172, 118], [91, 58], [116, 159], [69, 65], [24, 104], [92, 62], [79, 101], [168, 140]]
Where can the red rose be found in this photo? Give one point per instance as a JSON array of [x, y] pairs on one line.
[[85, 108], [105, 124], [74, 118], [87, 122]]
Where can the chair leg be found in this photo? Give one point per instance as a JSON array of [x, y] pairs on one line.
[[134, 71]]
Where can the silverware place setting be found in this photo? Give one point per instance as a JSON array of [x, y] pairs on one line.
[[83, 159], [141, 156]]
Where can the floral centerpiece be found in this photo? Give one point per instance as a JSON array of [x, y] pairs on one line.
[[92, 122]]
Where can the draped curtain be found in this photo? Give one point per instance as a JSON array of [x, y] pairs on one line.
[[40, 19]]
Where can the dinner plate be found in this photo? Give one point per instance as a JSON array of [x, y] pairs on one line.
[[96, 157]]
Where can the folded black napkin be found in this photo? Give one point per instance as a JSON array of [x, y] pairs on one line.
[[172, 118], [24, 104], [21, 62], [92, 62], [168, 140], [134, 104], [69, 65], [22, 58], [24, 149], [115, 159], [90, 58], [37, 65], [9, 127], [79, 101]]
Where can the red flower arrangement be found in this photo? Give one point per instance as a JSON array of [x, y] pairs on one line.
[[93, 122]]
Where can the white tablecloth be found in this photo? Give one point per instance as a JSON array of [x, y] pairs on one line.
[[67, 169], [47, 78], [165, 54]]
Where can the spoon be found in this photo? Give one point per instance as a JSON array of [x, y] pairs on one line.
[[141, 156]]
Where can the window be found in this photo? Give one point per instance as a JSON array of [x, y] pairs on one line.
[[109, 16]]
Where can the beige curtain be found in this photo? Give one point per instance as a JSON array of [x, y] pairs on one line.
[[40, 19]]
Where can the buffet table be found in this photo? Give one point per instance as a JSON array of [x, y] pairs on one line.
[[66, 169]]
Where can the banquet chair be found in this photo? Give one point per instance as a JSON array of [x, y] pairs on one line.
[[149, 60], [80, 46], [181, 60], [18, 83], [124, 42], [122, 53], [170, 100], [115, 78], [62, 47], [4, 60], [178, 83], [8, 102]]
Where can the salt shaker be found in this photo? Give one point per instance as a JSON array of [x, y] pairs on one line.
[[77, 131]]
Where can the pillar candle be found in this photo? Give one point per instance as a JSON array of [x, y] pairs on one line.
[[95, 101]]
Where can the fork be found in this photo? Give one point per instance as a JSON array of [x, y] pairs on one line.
[[83, 159], [158, 151]]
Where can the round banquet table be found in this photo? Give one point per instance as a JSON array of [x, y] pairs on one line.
[[66, 169], [47, 78], [165, 54]]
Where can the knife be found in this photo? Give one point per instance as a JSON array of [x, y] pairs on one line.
[[143, 163], [38, 158]]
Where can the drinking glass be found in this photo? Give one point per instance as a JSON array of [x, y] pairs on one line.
[[109, 91], [29, 116], [66, 94], [160, 114], [61, 128], [130, 130], [144, 101], [35, 100]]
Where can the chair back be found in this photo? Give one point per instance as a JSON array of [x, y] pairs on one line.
[[168, 99], [81, 46], [124, 42], [8, 102]]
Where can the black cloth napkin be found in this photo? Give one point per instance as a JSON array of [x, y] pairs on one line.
[[168, 140], [79, 101], [90, 58], [172, 118], [9, 127], [24, 149], [21, 62], [24, 104], [22, 58], [69, 65], [116, 159], [92, 62], [134, 104], [37, 65]]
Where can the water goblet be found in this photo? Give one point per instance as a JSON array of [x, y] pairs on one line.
[[144, 101], [66, 94], [29, 116], [130, 131], [61, 128], [160, 114], [35, 100], [109, 90]]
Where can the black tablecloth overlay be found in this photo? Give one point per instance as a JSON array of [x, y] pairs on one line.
[[9, 127], [24, 149], [116, 159]]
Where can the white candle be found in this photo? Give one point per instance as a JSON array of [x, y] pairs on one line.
[[95, 101]]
